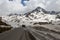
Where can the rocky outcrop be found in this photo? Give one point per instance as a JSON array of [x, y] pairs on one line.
[[2, 23], [3, 26]]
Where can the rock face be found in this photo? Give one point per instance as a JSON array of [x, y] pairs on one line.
[[2, 23], [3, 26], [58, 16], [36, 16]]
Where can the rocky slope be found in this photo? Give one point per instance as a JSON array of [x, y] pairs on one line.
[[3, 26], [37, 16]]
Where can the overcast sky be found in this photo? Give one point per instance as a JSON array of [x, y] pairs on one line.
[[19, 6]]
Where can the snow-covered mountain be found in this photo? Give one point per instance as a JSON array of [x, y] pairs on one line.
[[37, 16]]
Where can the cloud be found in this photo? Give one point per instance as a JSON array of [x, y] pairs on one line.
[[49, 4], [52, 5], [15, 6], [7, 7]]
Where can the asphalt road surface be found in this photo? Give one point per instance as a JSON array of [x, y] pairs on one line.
[[29, 33]]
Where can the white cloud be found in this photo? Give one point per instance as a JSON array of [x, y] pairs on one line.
[[15, 6], [46, 4], [52, 5], [7, 7]]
